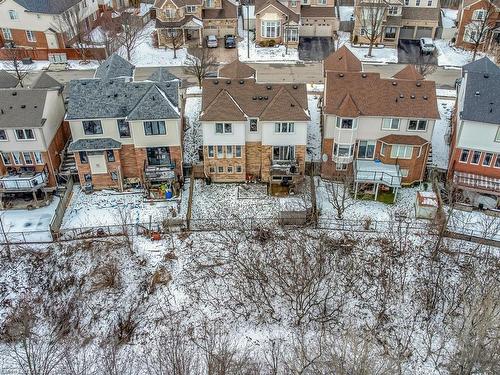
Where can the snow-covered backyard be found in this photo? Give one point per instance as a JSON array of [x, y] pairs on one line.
[[313, 131], [451, 56], [193, 138], [110, 208], [32, 225], [441, 135], [449, 17], [346, 13]]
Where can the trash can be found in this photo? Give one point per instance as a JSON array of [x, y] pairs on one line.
[[168, 194]]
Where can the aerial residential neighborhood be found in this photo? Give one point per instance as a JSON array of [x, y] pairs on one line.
[[249, 187]]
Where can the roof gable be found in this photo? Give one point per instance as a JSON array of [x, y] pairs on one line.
[[348, 107], [409, 72], [483, 65], [236, 70], [47, 6], [7, 80], [162, 74], [154, 105], [284, 101], [223, 108], [114, 66], [45, 81], [342, 60], [22, 108]]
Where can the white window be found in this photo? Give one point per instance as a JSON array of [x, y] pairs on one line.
[[464, 156], [292, 35], [229, 169], [366, 149], [210, 151], [417, 125], [223, 128], [6, 159], [30, 35], [220, 152], [404, 172], [93, 127], [390, 124], [24, 134], [253, 125], [38, 157], [473, 34], [343, 150], [401, 151], [429, 3], [13, 15], [479, 14], [382, 149], [16, 156], [220, 169], [305, 2], [170, 13], [237, 151], [211, 169], [3, 135], [209, 3], [229, 151], [417, 3], [284, 127], [322, 2], [270, 29], [476, 155], [293, 3], [488, 157], [346, 123], [239, 169], [191, 9], [497, 161], [393, 10], [7, 34], [341, 166], [283, 153], [27, 158]]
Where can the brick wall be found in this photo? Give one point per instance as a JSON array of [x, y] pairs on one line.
[[253, 153], [267, 157], [479, 169], [131, 160], [467, 18], [53, 156], [216, 162], [102, 180]]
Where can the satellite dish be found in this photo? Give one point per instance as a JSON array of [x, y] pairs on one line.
[[325, 157]]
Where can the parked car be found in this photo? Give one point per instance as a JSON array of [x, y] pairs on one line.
[[212, 41], [427, 45], [211, 75], [229, 41]]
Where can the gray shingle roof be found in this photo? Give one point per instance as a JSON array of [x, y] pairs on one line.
[[22, 108], [154, 105], [483, 65], [47, 6], [482, 97], [114, 66], [96, 144], [44, 81], [7, 80], [95, 98], [162, 75]]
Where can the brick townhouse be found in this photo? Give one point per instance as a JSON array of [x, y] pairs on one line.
[[401, 20], [474, 16], [286, 21], [253, 130], [378, 129], [32, 135], [125, 131], [40, 24], [195, 19], [475, 141]]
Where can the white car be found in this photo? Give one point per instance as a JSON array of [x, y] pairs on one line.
[[427, 45], [212, 41]]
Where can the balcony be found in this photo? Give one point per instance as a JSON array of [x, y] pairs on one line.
[[374, 172], [24, 181], [343, 159], [159, 173], [285, 168], [477, 183]]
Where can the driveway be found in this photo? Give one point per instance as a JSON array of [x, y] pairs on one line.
[[409, 53], [315, 48]]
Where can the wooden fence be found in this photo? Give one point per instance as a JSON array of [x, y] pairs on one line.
[[43, 53], [57, 220]]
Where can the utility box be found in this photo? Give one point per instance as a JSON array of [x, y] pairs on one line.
[[426, 205]]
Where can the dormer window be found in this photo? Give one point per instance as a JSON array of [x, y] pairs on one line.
[[190, 8], [346, 123]]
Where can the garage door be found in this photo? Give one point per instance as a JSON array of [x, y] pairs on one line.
[[306, 30], [226, 31], [323, 31], [424, 32], [210, 31], [406, 32]]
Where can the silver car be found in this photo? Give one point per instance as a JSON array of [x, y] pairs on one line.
[[427, 45], [212, 41]]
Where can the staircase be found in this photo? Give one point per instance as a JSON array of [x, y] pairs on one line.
[[429, 158], [68, 165]]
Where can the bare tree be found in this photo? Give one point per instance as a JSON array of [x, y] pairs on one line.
[[482, 23], [132, 34], [107, 31], [75, 30], [199, 62], [338, 194], [371, 17], [174, 37], [14, 64], [425, 65]]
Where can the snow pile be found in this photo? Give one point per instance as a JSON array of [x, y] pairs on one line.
[[145, 54], [193, 90], [447, 93], [346, 13], [379, 55], [313, 131], [316, 87], [193, 137], [451, 56], [449, 16], [441, 134], [108, 208]]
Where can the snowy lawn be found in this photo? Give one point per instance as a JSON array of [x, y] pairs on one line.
[[45, 65], [314, 131], [449, 17], [241, 200], [441, 134], [475, 223], [346, 13], [34, 224], [108, 208], [193, 137], [449, 55], [145, 54], [379, 55]]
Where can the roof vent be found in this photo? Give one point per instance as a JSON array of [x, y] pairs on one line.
[[110, 82], [115, 95], [23, 106], [295, 87], [153, 97], [394, 83], [14, 93], [486, 75], [241, 82], [136, 86], [401, 96], [292, 105], [1, 111], [269, 87], [254, 98], [35, 106], [341, 74], [412, 96], [265, 97], [84, 83], [477, 93], [228, 82], [425, 97], [168, 84], [419, 84], [216, 82], [261, 97], [364, 75]]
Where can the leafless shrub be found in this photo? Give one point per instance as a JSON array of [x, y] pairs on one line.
[[126, 325], [160, 277], [106, 276]]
